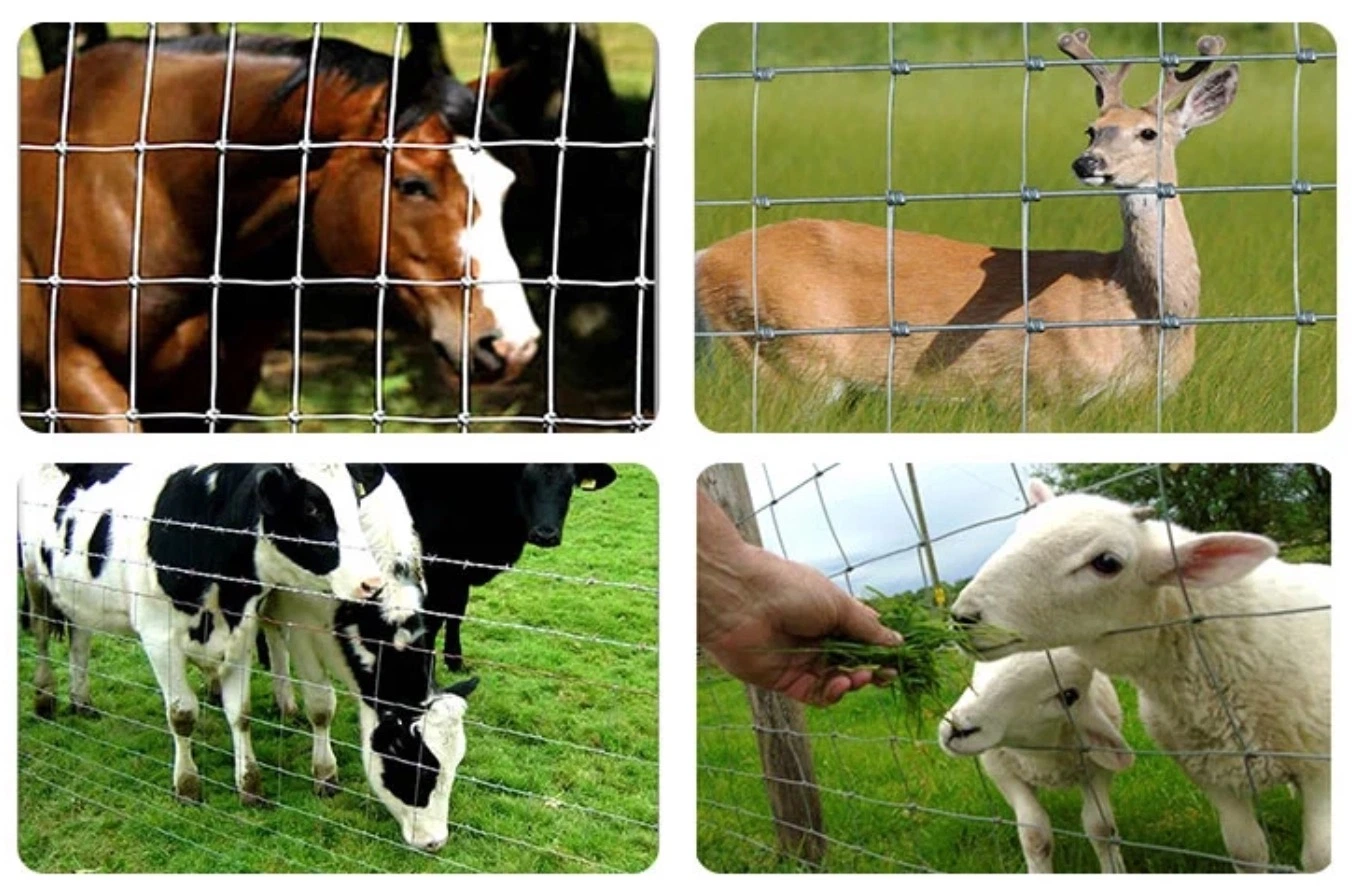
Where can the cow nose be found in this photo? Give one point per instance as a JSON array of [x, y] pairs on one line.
[[545, 538], [371, 587], [432, 844], [1087, 166], [488, 363]]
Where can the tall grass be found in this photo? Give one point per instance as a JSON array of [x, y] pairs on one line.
[[96, 795], [959, 131]]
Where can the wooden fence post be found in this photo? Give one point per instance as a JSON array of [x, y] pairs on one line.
[[786, 753]]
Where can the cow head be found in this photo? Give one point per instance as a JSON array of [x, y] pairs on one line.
[[545, 492]]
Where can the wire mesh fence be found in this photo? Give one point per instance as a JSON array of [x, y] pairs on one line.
[[560, 772], [141, 383], [783, 343], [890, 798]]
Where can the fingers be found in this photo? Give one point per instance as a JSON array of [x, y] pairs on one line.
[[822, 690], [861, 622]]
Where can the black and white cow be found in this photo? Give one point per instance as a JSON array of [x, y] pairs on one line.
[[484, 514], [181, 557], [412, 733]]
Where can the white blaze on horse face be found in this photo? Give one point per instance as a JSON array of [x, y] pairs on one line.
[[485, 241]]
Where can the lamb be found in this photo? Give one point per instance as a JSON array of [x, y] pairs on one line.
[[1100, 576], [1014, 712]]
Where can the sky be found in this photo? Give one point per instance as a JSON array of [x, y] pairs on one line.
[[865, 504]]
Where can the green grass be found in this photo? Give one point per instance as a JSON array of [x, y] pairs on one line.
[[869, 745], [96, 795], [959, 131]]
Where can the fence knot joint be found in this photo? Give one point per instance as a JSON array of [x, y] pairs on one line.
[[1035, 63], [1302, 188], [1169, 60], [1170, 321], [1166, 190], [1035, 325], [1029, 194], [1306, 318], [896, 198], [761, 201], [1306, 56], [765, 333], [763, 75], [899, 67], [901, 329]]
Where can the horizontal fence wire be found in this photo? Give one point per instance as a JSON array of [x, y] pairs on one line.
[[643, 284], [720, 725], [1030, 325], [616, 766]]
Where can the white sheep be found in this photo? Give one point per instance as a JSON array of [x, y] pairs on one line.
[[1224, 674], [1013, 713]]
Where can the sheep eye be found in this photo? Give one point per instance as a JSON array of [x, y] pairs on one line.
[[1149, 134], [1070, 696], [414, 186], [1106, 564]]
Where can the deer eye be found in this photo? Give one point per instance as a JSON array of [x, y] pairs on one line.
[[1090, 132], [1106, 564], [1070, 696], [1149, 134], [414, 186]]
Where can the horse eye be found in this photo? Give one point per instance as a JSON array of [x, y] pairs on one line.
[[414, 186], [1070, 696], [1106, 564], [1149, 134]]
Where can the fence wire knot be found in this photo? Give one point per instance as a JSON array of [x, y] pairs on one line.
[[765, 333], [220, 146], [61, 148], [297, 281], [900, 66], [1035, 63], [1306, 318], [212, 415], [133, 415], [293, 416], [763, 75], [896, 198], [1302, 188], [1169, 60], [901, 329], [1306, 56], [1035, 325], [54, 281], [1166, 190], [761, 201], [378, 417], [1170, 321], [1029, 194]]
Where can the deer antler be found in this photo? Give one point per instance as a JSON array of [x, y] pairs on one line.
[[1178, 83], [1108, 87]]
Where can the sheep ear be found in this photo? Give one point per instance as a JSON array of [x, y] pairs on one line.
[[1039, 493], [1218, 557], [1111, 750]]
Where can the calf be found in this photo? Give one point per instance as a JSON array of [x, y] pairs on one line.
[[181, 557], [483, 516]]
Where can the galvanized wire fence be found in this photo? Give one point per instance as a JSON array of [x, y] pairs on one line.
[[640, 287], [574, 752], [760, 332], [873, 763]]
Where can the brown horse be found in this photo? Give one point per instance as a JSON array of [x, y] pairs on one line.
[[102, 382]]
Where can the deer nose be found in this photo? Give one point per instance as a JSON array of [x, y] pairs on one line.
[[1087, 166]]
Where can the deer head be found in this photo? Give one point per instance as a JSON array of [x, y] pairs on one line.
[[1132, 147]]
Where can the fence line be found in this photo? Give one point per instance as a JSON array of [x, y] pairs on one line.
[[1027, 194], [610, 758], [713, 775], [644, 282]]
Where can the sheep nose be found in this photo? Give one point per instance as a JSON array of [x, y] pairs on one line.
[[371, 587], [964, 620], [955, 732]]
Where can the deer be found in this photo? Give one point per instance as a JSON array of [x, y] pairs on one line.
[[832, 274]]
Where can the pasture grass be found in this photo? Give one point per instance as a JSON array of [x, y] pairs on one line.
[[891, 798], [97, 795], [958, 132]]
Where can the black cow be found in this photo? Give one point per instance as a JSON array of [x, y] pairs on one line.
[[484, 514]]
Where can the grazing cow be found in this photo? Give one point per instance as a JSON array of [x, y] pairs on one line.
[[181, 557], [412, 734], [484, 514]]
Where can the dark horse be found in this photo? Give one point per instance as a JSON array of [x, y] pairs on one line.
[[430, 234]]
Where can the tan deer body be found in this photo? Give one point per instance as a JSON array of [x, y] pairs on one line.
[[818, 274]]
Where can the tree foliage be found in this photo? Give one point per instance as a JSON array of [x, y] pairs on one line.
[[1289, 503]]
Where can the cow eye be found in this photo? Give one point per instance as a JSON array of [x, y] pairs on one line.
[[1070, 696], [1149, 134], [414, 186], [311, 510], [1106, 564]]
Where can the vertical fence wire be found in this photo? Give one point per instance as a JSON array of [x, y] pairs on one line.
[[137, 218], [213, 410], [298, 283], [551, 409], [644, 281], [382, 278], [1295, 229], [59, 232], [756, 78], [890, 210]]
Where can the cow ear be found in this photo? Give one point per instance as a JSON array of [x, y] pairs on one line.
[[272, 489], [365, 477], [464, 688], [591, 477]]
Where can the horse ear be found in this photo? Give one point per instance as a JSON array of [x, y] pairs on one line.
[[495, 81]]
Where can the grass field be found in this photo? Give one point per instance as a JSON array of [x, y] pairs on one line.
[[337, 369], [560, 773], [959, 131], [872, 761]]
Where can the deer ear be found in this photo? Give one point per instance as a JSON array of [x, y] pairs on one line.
[[1207, 101]]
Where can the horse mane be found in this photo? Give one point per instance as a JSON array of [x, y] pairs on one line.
[[421, 92]]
